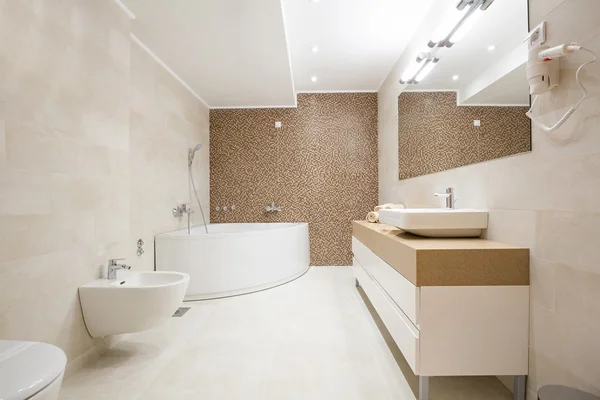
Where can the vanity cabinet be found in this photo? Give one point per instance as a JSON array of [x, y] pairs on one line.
[[477, 326]]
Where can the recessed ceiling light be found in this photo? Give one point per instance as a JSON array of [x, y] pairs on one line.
[[314, 49], [314, 1], [454, 77], [313, 78], [491, 47]]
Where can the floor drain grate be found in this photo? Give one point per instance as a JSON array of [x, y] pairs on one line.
[[181, 311]]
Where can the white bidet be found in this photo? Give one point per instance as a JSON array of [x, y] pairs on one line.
[[139, 301]]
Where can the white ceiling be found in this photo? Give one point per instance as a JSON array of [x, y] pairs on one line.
[[359, 41], [232, 53], [237, 53], [240, 53], [504, 25]]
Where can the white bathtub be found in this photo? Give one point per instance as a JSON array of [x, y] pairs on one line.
[[234, 258]]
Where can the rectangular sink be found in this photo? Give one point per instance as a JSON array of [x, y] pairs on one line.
[[437, 222]]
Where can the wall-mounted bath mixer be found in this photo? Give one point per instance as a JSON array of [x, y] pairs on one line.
[[225, 208], [272, 208], [182, 209], [186, 209]]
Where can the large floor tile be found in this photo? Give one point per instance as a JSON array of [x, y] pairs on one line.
[[313, 338]]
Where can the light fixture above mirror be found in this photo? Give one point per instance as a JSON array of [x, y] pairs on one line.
[[458, 23], [419, 68], [452, 28]]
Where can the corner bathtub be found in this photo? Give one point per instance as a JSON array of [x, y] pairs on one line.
[[234, 258]]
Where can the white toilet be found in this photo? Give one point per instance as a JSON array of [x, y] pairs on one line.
[[30, 370]]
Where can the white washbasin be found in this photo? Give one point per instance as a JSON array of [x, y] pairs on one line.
[[437, 222], [132, 303]]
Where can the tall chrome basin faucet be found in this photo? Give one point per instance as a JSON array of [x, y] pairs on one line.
[[449, 196]]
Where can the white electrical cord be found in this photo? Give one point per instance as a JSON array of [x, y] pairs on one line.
[[573, 108]]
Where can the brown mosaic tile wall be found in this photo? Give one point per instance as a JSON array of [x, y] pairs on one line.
[[434, 134], [320, 167]]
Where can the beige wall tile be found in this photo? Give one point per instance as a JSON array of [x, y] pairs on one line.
[[29, 235], [546, 185], [543, 281], [572, 20], [79, 183], [539, 9], [572, 140], [16, 196], [517, 227], [544, 371], [577, 295], [2, 142], [567, 344], [569, 238]]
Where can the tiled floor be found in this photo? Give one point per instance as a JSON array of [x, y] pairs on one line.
[[311, 339]]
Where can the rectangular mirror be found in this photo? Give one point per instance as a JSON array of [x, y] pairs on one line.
[[471, 105]]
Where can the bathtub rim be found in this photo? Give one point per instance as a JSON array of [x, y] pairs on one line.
[[169, 235]]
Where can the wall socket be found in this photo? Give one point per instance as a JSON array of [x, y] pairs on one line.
[[537, 36]]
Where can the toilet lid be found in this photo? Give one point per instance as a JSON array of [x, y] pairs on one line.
[[28, 367]]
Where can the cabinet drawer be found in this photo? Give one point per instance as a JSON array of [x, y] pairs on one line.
[[396, 286], [404, 333], [474, 330]]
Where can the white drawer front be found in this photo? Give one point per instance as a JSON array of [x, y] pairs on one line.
[[404, 333], [400, 289], [474, 330]]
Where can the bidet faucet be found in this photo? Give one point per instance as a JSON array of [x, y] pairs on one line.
[[113, 267], [449, 196], [272, 208]]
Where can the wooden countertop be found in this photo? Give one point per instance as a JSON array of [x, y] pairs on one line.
[[447, 261]]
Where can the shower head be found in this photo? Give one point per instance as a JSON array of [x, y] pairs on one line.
[[192, 152]]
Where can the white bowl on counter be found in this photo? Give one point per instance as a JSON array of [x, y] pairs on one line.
[[437, 222]]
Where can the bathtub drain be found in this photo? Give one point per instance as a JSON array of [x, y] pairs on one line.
[[181, 311]]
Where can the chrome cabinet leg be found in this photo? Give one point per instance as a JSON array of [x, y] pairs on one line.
[[423, 388], [520, 387]]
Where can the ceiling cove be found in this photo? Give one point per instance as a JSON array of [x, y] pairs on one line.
[[241, 54]]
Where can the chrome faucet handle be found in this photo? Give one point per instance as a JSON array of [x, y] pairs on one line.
[[272, 208], [113, 267], [449, 192], [449, 196]]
